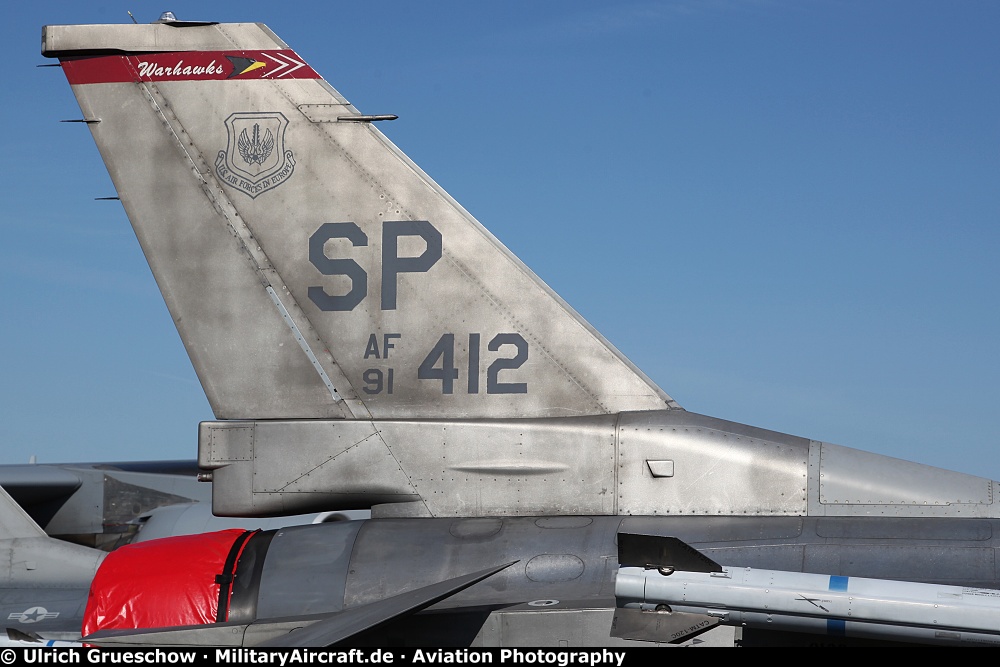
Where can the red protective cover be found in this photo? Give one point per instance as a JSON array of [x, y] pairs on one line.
[[160, 583]]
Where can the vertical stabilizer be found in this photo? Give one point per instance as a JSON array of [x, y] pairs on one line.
[[312, 270]]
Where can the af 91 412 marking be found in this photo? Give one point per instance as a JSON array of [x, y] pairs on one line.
[[439, 364]]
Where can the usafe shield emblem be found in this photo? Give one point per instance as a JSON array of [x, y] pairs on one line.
[[255, 159]]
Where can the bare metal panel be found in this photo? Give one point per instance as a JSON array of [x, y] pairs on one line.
[[336, 465], [234, 442], [716, 470], [519, 467], [566, 466], [851, 482], [456, 468]]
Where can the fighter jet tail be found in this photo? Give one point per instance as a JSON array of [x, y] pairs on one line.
[[313, 270]]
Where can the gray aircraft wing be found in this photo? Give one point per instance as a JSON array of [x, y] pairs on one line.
[[100, 504]]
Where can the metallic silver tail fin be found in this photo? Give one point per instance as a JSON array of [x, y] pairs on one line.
[[312, 270]]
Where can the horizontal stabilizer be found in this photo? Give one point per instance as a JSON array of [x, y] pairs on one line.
[[345, 624]]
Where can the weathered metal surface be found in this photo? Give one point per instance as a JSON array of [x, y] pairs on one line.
[[851, 482], [566, 466], [410, 307], [456, 468], [719, 467]]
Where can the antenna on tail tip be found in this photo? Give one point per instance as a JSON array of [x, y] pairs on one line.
[[367, 119]]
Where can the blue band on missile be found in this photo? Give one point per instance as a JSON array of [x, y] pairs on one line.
[[838, 583], [835, 626]]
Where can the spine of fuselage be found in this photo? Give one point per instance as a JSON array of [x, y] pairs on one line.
[[820, 604]]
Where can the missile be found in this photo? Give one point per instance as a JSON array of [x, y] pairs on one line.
[[804, 602]]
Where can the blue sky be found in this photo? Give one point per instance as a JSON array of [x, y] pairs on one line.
[[785, 213]]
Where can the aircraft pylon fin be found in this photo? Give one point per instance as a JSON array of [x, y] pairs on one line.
[[657, 551], [672, 627]]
